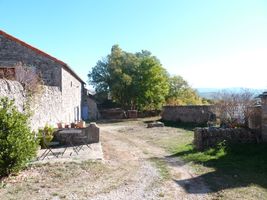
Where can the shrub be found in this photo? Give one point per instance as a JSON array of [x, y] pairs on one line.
[[47, 132], [17, 142]]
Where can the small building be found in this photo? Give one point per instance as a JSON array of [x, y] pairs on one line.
[[89, 107], [62, 93]]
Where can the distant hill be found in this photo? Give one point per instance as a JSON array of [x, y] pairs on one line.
[[210, 93]]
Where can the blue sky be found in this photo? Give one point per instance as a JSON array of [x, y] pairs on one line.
[[211, 43]]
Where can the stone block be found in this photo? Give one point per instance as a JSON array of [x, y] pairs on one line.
[[132, 114], [93, 132], [155, 124]]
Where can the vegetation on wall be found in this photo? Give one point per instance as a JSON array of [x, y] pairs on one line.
[[17, 142], [29, 79]]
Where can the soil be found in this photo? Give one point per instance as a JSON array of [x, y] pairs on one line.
[[134, 167]]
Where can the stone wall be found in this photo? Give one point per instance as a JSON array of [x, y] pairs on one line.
[[88, 135], [92, 109], [62, 87], [71, 97], [113, 113], [12, 53], [255, 117], [13, 90], [46, 107], [187, 114], [89, 107], [264, 116], [210, 137]]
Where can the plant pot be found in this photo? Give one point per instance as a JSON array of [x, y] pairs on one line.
[[72, 125], [59, 125]]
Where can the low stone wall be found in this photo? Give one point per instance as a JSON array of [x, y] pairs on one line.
[[113, 113], [86, 135], [187, 114], [210, 137], [148, 113]]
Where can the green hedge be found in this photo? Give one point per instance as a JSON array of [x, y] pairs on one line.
[[17, 142]]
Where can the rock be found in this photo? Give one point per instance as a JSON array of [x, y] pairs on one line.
[[155, 124]]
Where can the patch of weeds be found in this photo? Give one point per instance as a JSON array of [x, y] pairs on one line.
[[162, 167], [161, 194], [15, 190], [2, 184], [145, 152], [54, 194], [62, 196]]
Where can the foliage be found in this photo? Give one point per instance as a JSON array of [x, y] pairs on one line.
[[17, 142], [181, 93], [229, 170], [47, 132], [233, 109], [135, 81], [29, 79], [162, 167]]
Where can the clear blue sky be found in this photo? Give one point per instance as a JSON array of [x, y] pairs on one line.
[[211, 43]]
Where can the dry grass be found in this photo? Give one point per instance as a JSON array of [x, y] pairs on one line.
[[57, 179]]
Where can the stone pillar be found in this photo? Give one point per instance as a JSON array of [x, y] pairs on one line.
[[255, 118], [264, 116], [92, 132]]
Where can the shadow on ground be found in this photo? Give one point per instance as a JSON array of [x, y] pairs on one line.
[[241, 166], [182, 125]]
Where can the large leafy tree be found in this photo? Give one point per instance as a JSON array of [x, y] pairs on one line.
[[135, 81], [181, 93]]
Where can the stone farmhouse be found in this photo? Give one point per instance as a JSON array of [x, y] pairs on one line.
[[62, 95]]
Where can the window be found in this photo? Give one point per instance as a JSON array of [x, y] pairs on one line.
[[7, 73]]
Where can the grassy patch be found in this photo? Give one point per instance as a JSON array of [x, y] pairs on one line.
[[229, 171], [57, 179], [162, 167]]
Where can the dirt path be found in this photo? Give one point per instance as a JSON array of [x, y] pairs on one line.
[[124, 146], [135, 167]]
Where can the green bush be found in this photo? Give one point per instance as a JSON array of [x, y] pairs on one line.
[[48, 132], [17, 142]]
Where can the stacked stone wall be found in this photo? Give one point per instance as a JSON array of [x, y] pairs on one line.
[[61, 98], [13, 90], [12, 53], [210, 137], [71, 97], [46, 107], [187, 114]]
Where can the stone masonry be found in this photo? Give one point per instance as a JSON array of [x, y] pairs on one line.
[[187, 114], [45, 107], [12, 53], [210, 137], [61, 97], [264, 116], [91, 133]]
